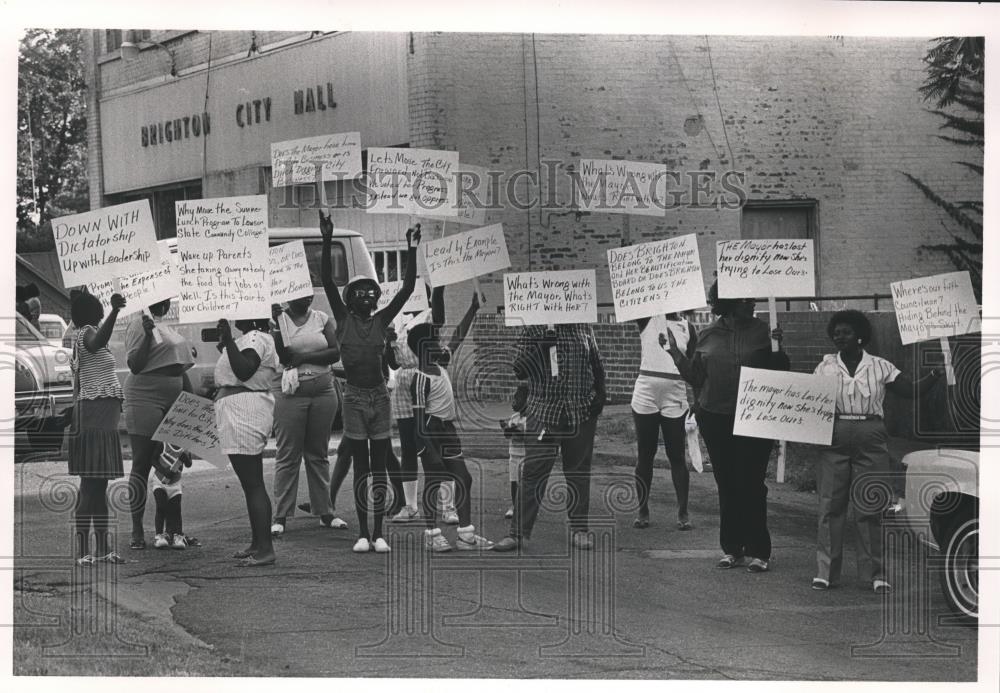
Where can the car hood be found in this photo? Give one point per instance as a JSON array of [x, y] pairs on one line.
[[50, 363]]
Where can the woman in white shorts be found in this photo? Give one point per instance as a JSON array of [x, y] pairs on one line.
[[244, 413], [660, 404]]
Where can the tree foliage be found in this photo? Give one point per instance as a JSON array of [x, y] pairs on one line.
[[51, 133], [954, 84]]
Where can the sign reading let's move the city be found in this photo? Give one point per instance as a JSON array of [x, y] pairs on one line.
[[106, 243]]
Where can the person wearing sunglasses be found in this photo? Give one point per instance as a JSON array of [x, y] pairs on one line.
[[361, 332]]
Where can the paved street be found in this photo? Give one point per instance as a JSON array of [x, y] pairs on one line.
[[645, 604]]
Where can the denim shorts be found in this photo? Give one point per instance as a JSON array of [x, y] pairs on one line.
[[367, 412]]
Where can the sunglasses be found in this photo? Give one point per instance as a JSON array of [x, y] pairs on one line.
[[364, 293]]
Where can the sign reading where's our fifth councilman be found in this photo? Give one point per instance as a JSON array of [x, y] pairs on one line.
[[106, 243]]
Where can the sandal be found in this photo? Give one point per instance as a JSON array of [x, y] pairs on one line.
[[191, 541], [684, 525], [112, 557], [137, 544], [640, 523], [86, 562], [252, 562], [243, 554]]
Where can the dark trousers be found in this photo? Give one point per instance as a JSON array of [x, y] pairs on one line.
[[739, 465], [443, 461], [576, 448]]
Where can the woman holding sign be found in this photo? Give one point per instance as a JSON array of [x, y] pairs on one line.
[[306, 403], [739, 463], [659, 404], [244, 413], [95, 450], [361, 332], [851, 466], [158, 359]]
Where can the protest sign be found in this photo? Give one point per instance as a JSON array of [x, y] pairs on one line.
[[465, 255], [414, 304], [754, 268], [106, 243], [295, 161], [223, 259], [786, 406], [623, 187], [140, 290], [656, 278], [549, 298], [289, 270], [417, 182], [943, 305], [190, 424], [473, 191]]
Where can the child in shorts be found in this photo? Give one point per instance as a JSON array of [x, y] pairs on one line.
[[167, 494], [513, 430]]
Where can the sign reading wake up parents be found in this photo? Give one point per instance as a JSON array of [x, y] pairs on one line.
[[549, 298], [785, 406], [655, 278], [418, 182], [223, 259], [106, 243], [943, 305], [337, 156], [752, 268], [465, 255]]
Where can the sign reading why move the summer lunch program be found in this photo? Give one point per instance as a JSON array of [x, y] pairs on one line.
[[419, 182], [106, 243], [754, 268], [940, 306], [623, 187], [337, 156], [190, 424], [779, 405], [223, 259], [655, 278], [549, 298], [465, 255]]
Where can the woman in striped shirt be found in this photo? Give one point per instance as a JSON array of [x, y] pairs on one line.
[[857, 460], [95, 451]]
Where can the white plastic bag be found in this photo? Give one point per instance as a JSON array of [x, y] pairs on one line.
[[290, 381], [693, 445]]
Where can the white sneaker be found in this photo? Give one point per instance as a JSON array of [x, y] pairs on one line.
[[450, 517], [335, 523], [435, 541], [381, 546], [406, 514], [277, 529], [473, 542], [509, 514], [160, 541], [179, 542], [362, 546]]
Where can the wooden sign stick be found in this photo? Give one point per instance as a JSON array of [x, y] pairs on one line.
[[772, 309], [553, 357], [949, 369]]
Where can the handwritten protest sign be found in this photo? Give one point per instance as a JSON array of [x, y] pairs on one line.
[[549, 298], [465, 255], [656, 278], [753, 268], [106, 243], [623, 187], [289, 272], [785, 406], [414, 304], [473, 189], [190, 424], [337, 156], [943, 305], [222, 245], [412, 181], [143, 289]]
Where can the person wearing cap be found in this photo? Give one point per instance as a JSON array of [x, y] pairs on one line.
[[851, 467], [362, 333]]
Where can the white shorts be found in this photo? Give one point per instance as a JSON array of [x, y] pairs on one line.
[[244, 421], [171, 490], [664, 396]]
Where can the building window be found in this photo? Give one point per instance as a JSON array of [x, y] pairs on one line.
[[783, 219], [112, 40], [161, 203], [390, 263]]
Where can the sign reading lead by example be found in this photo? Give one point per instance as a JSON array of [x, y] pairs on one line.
[[106, 243], [549, 298], [779, 405], [752, 268], [654, 278], [223, 259], [943, 305], [465, 255]]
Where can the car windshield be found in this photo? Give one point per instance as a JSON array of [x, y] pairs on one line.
[[26, 334], [50, 329]]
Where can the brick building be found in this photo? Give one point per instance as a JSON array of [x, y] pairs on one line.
[[819, 131]]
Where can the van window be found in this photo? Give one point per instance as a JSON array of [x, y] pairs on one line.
[[338, 256]]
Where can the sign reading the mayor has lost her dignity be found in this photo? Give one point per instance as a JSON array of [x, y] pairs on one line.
[[943, 305], [754, 268], [106, 243], [548, 298], [779, 405]]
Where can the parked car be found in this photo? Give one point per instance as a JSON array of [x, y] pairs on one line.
[[941, 506], [52, 328], [43, 389]]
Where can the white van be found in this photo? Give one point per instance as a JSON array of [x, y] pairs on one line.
[[350, 259]]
